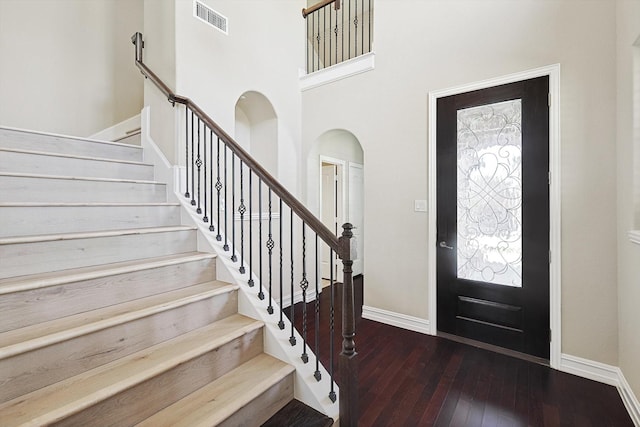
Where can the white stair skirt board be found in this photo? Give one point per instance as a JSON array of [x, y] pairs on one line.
[[119, 130], [29, 219], [42, 163], [606, 374], [32, 299], [400, 320], [56, 189], [39, 254], [276, 344], [21, 139]]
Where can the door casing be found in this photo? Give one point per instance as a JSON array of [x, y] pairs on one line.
[[553, 71]]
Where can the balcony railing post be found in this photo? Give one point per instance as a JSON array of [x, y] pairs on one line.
[[348, 362]]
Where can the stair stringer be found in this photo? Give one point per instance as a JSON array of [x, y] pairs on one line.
[[276, 341]]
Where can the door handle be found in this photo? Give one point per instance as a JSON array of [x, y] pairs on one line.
[[443, 244]]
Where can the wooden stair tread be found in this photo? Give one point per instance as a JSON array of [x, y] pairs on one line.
[[42, 334], [215, 402], [77, 178], [67, 397], [42, 280], [54, 135], [91, 235], [73, 156], [82, 204]]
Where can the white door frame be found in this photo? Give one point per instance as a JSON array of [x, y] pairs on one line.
[[553, 71]]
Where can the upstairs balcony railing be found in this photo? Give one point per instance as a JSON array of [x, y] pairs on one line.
[[337, 30], [281, 250]]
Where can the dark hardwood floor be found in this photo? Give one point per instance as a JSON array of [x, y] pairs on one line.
[[412, 379]]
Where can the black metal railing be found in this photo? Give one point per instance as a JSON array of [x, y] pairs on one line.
[[339, 33], [216, 171]]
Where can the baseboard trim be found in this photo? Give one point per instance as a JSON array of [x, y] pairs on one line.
[[396, 319], [297, 297], [606, 374]]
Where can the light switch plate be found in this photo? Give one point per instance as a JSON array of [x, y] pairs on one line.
[[420, 205]]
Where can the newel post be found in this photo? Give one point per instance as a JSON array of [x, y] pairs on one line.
[[348, 363]]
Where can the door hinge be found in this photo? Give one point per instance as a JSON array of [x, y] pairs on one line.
[[550, 335], [549, 177], [549, 256], [549, 99]]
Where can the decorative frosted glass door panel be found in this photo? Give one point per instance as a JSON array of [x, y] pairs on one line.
[[489, 207], [492, 253]]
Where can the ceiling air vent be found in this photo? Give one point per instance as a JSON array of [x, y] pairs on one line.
[[211, 17]]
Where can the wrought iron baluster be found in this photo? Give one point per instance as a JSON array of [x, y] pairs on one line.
[[218, 188], [318, 42], [234, 258], [362, 28], [250, 282], [205, 165], [355, 30], [242, 209], [270, 246], [226, 205], [304, 284], [198, 165], [292, 338], [317, 375], [260, 292], [332, 393], [186, 154], [324, 38], [211, 185], [281, 321], [349, 29], [335, 31], [193, 184]]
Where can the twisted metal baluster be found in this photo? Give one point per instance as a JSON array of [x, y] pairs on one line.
[[193, 185], [205, 218], [270, 246], [317, 375], [281, 321], [304, 284], [234, 258], [242, 209], [186, 154], [199, 165], [218, 188], [250, 282], [292, 338]]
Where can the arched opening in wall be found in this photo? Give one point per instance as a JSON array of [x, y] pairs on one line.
[[335, 180], [257, 129]]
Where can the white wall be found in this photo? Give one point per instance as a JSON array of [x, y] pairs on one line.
[[430, 45], [66, 66], [628, 147], [261, 53]]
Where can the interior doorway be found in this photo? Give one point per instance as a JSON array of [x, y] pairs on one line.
[[332, 203]]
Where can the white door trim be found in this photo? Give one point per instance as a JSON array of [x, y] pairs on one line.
[[553, 71]]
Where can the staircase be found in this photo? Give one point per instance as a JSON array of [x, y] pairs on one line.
[[109, 314]]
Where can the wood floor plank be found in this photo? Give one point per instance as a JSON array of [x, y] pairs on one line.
[[503, 390]]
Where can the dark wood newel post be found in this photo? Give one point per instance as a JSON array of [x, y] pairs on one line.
[[348, 363]]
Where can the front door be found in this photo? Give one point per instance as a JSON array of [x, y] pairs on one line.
[[493, 215]]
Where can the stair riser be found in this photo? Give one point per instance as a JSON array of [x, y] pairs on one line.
[[20, 309], [30, 371], [42, 164], [39, 257], [34, 189], [264, 406], [36, 220], [75, 147], [138, 403]]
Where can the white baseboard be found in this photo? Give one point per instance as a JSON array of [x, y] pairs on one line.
[[606, 374], [297, 297], [396, 319], [118, 130]]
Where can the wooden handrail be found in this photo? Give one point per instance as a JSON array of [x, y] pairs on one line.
[[320, 5], [305, 214]]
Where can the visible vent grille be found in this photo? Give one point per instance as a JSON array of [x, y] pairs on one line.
[[211, 17]]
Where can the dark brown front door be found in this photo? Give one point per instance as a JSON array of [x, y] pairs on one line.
[[493, 215]]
